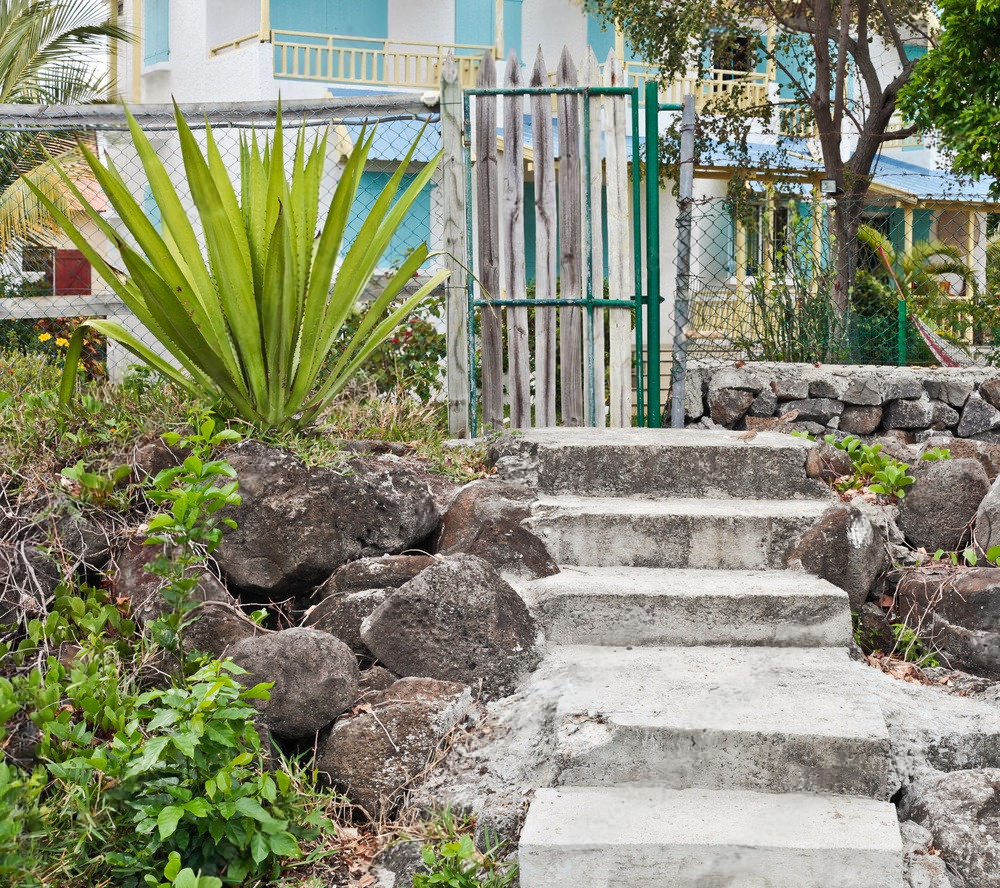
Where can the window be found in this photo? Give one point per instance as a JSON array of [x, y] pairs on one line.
[[56, 272], [735, 55], [765, 236], [156, 31]]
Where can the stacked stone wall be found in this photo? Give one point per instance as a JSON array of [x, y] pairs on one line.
[[857, 400]]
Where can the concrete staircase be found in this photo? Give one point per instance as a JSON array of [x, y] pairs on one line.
[[710, 730]]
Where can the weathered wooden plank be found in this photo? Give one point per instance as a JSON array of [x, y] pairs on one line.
[[620, 270], [545, 247], [515, 285], [570, 246], [488, 244], [594, 326], [453, 235]]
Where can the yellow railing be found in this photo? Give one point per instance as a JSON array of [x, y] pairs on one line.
[[715, 84], [232, 45], [333, 58], [914, 141]]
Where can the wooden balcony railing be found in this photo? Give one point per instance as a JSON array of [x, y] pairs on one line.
[[752, 87], [333, 58]]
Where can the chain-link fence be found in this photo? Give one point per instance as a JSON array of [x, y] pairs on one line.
[[47, 285], [763, 283]]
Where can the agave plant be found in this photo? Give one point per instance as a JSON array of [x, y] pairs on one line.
[[253, 319]]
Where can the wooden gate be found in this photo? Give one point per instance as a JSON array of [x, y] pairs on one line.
[[551, 330]]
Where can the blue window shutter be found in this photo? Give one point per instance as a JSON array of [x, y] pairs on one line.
[[512, 27], [416, 226], [474, 22], [156, 31], [600, 35], [922, 225]]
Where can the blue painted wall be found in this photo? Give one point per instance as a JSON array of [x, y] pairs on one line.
[[416, 227], [357, 18], [475, 23]]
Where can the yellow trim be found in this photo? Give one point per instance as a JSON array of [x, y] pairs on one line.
[[137, 50]]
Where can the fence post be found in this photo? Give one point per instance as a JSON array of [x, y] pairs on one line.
[[453, 235], [678, 367], [653, 252], [901, 332]]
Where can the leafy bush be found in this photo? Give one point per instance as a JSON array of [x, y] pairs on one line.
[[411, 360], [254, 324], [873, 469]]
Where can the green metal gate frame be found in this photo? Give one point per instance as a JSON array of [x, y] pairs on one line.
[[589, 303]]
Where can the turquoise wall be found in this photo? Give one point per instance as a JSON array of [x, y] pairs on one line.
[[416, 227], [356, 18]]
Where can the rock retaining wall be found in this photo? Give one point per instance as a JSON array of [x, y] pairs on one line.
[[912, 401]]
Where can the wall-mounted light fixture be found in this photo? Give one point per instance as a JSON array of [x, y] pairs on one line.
[[828, 187]]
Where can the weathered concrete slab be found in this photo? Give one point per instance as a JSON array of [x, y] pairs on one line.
[[768, 719], [659, 462], [656, 606], [681, 532], [652, 837]]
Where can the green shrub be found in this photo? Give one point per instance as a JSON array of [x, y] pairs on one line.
[[252, 325]]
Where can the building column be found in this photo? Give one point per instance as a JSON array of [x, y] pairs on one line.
[[265, 21], [498, 48], [907, 229]]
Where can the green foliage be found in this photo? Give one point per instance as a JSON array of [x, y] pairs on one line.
[[254, 323], [933, 454], [190, 527], [453, 861], [873, 469], [790, 311], [411, 361], [912, 648], [955, 88]]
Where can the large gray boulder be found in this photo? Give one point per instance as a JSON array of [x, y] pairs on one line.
[[297, 525], [386, 572], [844, 548], [961, 809], [987, 529], [485, 520], [860, 419], [377, 751], [144, 590], [978, 416], [315, 679], [961, 612], [942, 502], [986, 453], [819, 410], [456, 621], [342, 616]]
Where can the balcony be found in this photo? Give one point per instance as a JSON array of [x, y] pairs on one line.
[[715, 83], [366, 61]]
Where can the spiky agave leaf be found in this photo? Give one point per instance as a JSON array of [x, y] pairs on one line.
[[254, 316]]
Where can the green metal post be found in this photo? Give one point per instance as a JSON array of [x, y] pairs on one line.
[[653, 253], [901, 332], [640, 369]]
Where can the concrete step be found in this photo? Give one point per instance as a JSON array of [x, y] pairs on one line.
[[599, 837], [699, 533], [661, 462], [765, 719], [657, 606]]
